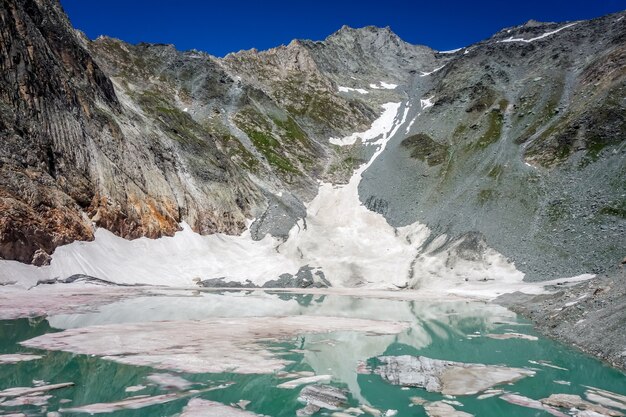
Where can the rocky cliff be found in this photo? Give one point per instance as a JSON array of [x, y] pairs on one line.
[[138, 138], [520, 138], [516, 143]]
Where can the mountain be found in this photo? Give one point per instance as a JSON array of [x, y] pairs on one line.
[[515, 143]]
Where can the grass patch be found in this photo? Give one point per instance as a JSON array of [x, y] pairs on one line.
[[496, 172], [424, 148], [615, 210], [556, 210], [495, 119], [291, 131], [485, 196], [259, 130]]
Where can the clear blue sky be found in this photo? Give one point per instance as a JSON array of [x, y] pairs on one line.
[[219, 27]]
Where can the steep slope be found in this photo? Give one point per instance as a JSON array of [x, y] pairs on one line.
[[73, 153], [137, 139], [520, 142], [514, 145]]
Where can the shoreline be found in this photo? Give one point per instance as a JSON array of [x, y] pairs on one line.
[[574, 313]]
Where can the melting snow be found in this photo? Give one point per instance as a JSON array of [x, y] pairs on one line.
[[451, 51], [408, 128], [350, 244], [383, 85], [424, 74], [349, 89], [545, 35], [379, 127], [427, 102]]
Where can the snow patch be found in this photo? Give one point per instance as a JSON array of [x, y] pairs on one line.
[[424, 74], [545, 35], [451, 51], [408, 128], [379, 127], [427, 102], [383, 86], [350, 244], [350, 89]]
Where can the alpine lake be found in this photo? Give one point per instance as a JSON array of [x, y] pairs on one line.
[[276, 353]]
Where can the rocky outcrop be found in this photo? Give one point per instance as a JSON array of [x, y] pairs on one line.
[[518, 139], [139, 138], [590, 315], [521, 138], [74, 155]]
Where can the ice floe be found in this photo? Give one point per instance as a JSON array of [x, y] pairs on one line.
[[570, 401], [204, 408], [442, 409], [22, 391], [506, 336], [294, 383], [446, 377], [169, 381], [204, 346], [530, 403], [317, 397], [18, 357]]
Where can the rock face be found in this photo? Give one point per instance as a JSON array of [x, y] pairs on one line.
[[516, 143], [590, 315], [138, 138], [520, 138]]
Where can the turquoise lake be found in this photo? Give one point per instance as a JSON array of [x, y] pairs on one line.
[[460, 331]]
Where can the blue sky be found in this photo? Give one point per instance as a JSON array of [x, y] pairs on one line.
[[219, 27]]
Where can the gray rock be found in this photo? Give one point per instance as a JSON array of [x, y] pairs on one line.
[[321, 396]]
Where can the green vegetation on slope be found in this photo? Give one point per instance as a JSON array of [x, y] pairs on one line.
[[424, 148]]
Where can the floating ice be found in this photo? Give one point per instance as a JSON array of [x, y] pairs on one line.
[[305, 380], [202, 346], [446, 377], [204, 408], [18, 357]]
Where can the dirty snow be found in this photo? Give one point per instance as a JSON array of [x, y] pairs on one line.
[[350, 244], [237, 345]]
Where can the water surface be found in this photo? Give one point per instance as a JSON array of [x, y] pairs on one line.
[[449, 330]]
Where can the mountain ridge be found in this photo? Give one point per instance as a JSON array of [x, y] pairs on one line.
[[167, 136]]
